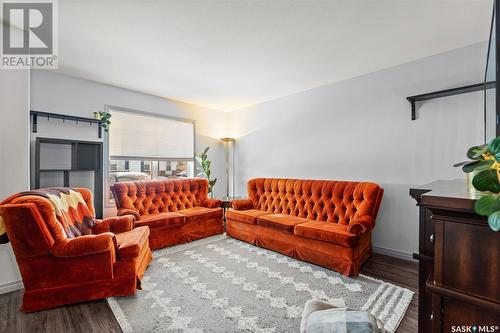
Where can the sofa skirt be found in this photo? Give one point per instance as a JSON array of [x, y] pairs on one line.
[[345, 260]]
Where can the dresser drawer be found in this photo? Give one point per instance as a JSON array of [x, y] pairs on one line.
[[460, 313], [466, 258]]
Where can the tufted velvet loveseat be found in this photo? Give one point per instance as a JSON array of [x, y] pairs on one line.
[[328, 223], [175, 210]]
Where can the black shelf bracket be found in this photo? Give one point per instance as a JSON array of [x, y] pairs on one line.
[[35, 123], [413, 112], [65, 117], [447, 92]]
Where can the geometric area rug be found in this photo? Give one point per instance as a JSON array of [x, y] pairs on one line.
[[220, 284]]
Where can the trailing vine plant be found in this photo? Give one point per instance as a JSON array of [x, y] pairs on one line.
[[105, 118]]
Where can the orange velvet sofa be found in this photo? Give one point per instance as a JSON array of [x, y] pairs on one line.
[[175, 210], [57, 270], [327, 223]]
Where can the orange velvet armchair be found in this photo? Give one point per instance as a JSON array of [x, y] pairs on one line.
[[57, 270]]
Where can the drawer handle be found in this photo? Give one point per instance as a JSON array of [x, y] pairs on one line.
[[431, 238], [432, 316]]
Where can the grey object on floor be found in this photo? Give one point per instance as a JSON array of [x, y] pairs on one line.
[[321, 317], [220, 284]]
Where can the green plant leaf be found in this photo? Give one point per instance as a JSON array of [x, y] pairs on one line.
[[459, 164], [494, 145], [477, 165], [487, 205], [494, 221], [205, 164], [476, 153], [486, 180]]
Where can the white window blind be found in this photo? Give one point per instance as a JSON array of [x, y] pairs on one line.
[[145, 136]]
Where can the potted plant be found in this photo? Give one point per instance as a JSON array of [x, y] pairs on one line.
[[105, 118], [486, 166], [205, 166]]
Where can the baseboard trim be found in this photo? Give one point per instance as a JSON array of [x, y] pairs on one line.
[[393, 253], [9, 287]]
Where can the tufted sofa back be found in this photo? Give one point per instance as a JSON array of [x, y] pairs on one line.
[[321, 200], [160, 196]]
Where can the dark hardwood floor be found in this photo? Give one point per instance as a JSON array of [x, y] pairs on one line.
[[97, 316]]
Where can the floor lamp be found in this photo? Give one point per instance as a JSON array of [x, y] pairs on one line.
[[227, 141]]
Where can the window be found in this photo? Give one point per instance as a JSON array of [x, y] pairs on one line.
[[144, 146]]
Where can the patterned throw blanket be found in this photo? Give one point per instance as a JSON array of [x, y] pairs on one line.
[[70, 208]]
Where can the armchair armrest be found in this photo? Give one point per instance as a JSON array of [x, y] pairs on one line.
[[361, 225], [211, 203], [85, 245], [125, 211], [115, 225], [242, 204]]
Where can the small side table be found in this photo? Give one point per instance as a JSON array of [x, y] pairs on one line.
[[226, 204]]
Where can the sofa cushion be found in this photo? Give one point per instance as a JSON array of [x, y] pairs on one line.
[[161, 220], [328, 232], [201, 213], [320, 316], [246, 216], [281, 222], [131, 242]]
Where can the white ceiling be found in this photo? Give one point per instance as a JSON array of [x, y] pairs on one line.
[[229, 54]]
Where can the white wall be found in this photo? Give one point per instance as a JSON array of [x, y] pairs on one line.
[[57, 93], [14, 157], [360, 129]]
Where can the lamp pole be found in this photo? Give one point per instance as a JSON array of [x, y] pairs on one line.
[[226, 141]]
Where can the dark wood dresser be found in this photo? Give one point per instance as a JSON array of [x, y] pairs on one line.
[[459, 262]]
